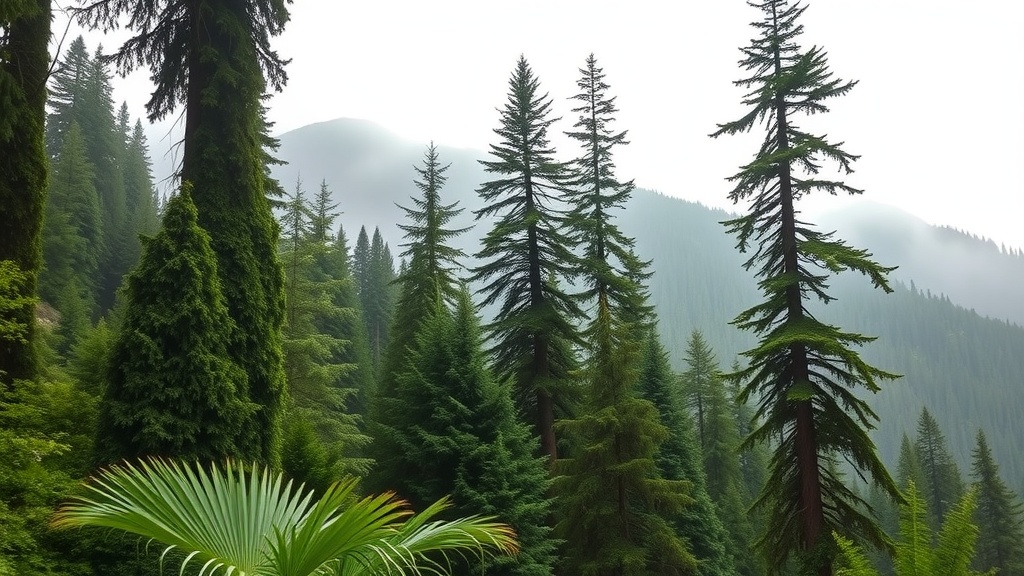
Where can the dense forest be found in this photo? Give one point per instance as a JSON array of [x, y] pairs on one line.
[[559, 372]]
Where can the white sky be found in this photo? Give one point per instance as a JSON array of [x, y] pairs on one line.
[[937, 117]]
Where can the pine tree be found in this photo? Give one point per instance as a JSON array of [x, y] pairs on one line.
[[614, 505], [702, 380], [361, 268], [803, 371], [610, 267], [140, 193], [171, 389], [377, 297], [455, 431], [214, 58], [679, 458], [24, 65], [525, 255], [999, 516], [942, 485], [67, 91]]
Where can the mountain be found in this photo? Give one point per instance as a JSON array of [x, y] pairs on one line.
[[965, 367]]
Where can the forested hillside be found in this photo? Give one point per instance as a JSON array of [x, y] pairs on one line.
[[961, 366]]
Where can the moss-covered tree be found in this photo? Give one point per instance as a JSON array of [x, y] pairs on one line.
[[804, 372], [24, 66], [214, 58], [172, 389]]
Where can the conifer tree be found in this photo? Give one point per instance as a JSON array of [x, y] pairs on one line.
[[942, 485], [24, 65], [615, 507], [610, 267], [361, 267], [455, 431], [171, 388], [679, 458], [702, 381], [214, 59], [428, 281], [140, 193], [319, 428], [377, 297], [525, 254], [803, 371], [72, 230], [999, 516], [908, 467]]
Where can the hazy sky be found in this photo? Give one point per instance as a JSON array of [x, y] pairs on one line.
[[937, 117]]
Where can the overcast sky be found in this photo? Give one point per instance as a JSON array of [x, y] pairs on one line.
[[937, 116]]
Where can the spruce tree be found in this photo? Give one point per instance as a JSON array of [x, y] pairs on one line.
[[454, 431], [525, 254], [140, 193], [323, 439], [428, 281], [908, 467], [942, 485], [73, 228], [804, 372], [24, 66], [701, 380], [377, 297], [614, 506], [214, 59], [679, 458], [171, 388], [609, 265], [999, 516]]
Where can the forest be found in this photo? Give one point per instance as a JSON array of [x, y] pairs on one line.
[[525, 366]]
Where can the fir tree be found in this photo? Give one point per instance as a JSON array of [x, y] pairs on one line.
[[942, 486], [908, 467], [679, 458], [610, 267], [171, 389], [377, 297], [614, 504], [455, 431], [999, 516], [525, 255], [72, 230], [428, 281], [24, 65], [701, 381], [140, 193], [803, 371], [325, 445], [214, 59]]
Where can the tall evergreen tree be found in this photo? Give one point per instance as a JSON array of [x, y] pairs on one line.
[[171, 388], [525, 254], [908, 467], [455, 431], [361, 266], [377, 297], [24, 66], [942, 485], [428, 281], [803, 371], [999, 516], [610, 267], [615, 507], [140, 193], [323, 439], [679, 458], [215, 59], [702, 384], [72, 230]]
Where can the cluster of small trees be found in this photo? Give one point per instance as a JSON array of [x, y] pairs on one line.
[[259, 338]]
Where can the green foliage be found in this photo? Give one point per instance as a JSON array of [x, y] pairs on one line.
[[34, 476], [24, 64], [453, 429], [803, 372], [679, 458], [609, 265], [314, 376], [428, 282], [525, 255], [12, 300], [614, 506], [915, 554], [374, 271], [259, 524], [941, 483], [171, 387], [998, 516]]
